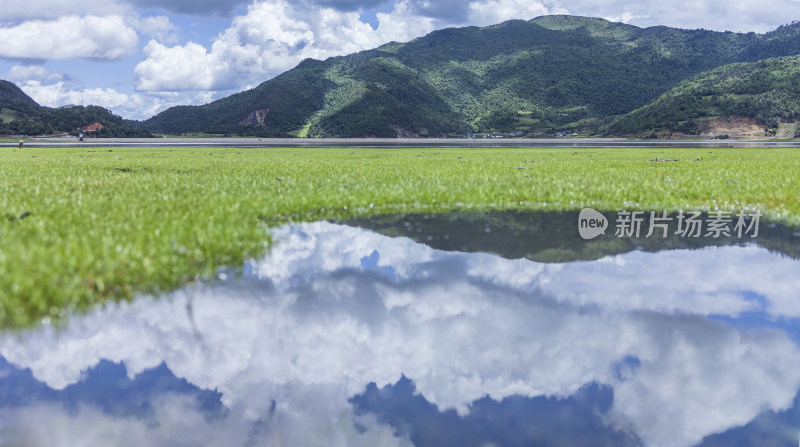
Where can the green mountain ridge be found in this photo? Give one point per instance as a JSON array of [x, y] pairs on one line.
[[21, 115], [14, 99], [549, 75], [540, 76], [767, 91]]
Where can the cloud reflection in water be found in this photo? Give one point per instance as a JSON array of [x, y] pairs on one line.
[[335, 308]]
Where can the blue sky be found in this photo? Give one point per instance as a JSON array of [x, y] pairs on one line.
[[138, 57]]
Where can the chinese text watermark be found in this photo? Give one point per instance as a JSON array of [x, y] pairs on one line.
[[692, 224]]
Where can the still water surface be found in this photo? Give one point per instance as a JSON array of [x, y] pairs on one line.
[[482, 329]]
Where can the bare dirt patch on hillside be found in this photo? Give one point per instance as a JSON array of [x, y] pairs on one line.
[[739, 127]]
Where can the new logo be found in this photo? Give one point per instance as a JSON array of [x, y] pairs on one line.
[[591, 223]]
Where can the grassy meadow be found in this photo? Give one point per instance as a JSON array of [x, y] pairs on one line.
[[81, 226]]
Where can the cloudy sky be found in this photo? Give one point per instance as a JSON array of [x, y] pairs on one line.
[[138, 57]]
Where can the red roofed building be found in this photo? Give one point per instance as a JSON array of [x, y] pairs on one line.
[[94, 127]]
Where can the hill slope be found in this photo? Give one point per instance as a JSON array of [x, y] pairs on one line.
[[767, 92], [553, 72], [13, 99], [20, 114]]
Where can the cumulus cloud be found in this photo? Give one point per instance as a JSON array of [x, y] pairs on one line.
[[720, 15], [15, 11], [52, 91], [58, 94], [272, 37], [37, 73], [488, 12], [158, 27], [333, 308], [186, 67], [625, 17], [70, 37], [180, 421], [709, 287], [740, 15]]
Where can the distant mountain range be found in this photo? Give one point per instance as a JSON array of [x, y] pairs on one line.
[[549, 75], [19, 114]]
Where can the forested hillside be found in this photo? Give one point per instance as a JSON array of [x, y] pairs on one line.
[[767, 90], [553, 73], [21, 115]]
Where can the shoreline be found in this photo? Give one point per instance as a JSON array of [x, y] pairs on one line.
[[399, 142]]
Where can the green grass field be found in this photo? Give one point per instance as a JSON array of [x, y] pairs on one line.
[[82, 226]]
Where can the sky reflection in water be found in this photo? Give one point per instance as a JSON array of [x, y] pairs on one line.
[[343, 336]]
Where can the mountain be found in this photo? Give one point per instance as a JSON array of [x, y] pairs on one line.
[[19, 114], [14, 101], [550, 73], [762, 97]]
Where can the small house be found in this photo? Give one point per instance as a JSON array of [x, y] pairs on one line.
[[94, 127]]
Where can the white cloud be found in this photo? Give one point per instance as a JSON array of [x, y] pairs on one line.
[[179, 421], [711, 287], [158, 27], [187, 67], [271, 38], [312, 326], [16, 11], [133, 106], [57, 94], [625, 17], [403, 24], [33, 73], [489, 12], [719, 15], [70, 37]]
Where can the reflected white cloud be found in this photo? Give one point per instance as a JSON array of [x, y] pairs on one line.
[[178, 421], [320, 318], [714, 281]]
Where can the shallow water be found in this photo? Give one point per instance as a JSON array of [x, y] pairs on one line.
[[482, 329]]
